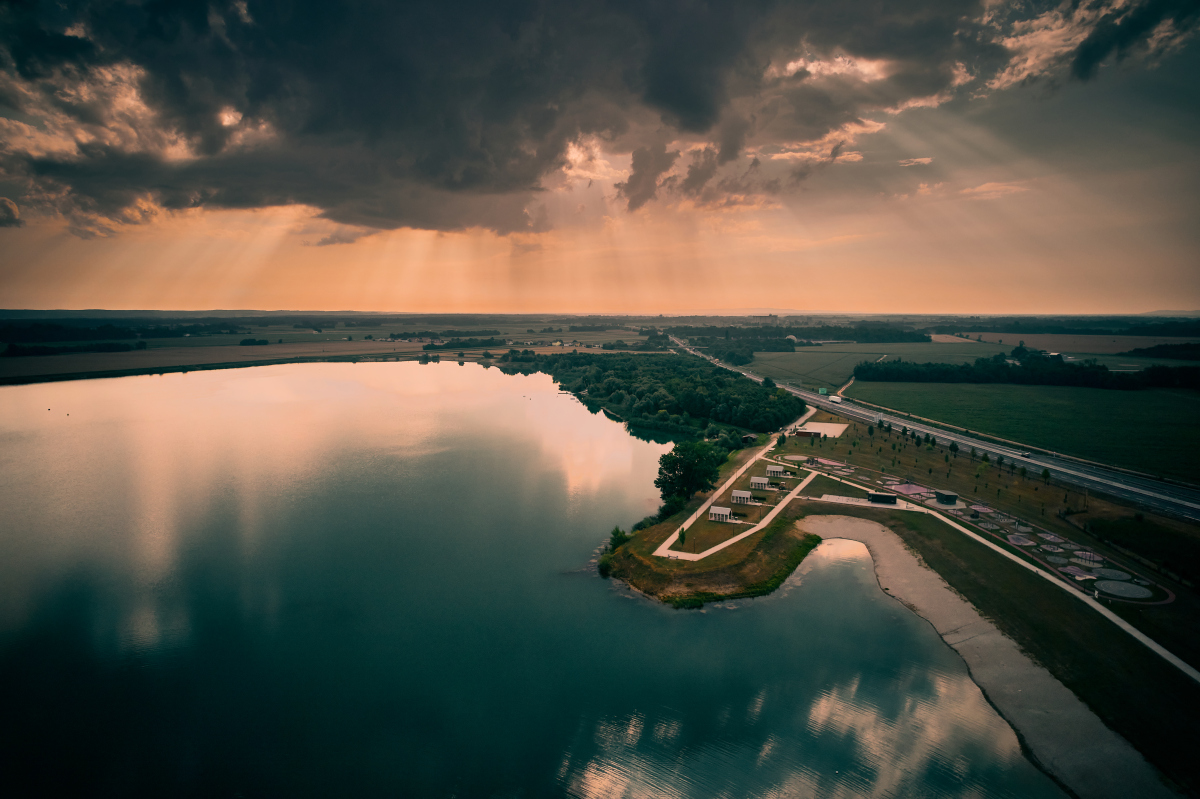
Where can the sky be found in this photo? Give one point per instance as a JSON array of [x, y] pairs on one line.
[[915, 156]]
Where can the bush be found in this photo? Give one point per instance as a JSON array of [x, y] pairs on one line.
[[605, 566]]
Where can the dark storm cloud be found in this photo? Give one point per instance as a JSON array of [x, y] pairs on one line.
[[649, 164], [440, 115], [1122, 31], [10, 215]]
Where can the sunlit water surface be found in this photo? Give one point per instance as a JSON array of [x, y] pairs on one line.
[[374, 580]]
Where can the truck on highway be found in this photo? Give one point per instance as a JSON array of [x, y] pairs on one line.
[[835, 398]]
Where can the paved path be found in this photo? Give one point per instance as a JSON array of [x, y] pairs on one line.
[[1065, 737], [664, 550], [702, 511], [1149, 642]]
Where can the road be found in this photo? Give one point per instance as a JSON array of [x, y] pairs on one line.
[[1147, 492]]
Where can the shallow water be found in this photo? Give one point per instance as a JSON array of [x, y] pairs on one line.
[[374, 579]]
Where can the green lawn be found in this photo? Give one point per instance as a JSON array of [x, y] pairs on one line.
[[1154, 431], [830, 365]]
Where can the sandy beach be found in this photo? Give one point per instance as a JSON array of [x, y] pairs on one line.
[[1062, 735]]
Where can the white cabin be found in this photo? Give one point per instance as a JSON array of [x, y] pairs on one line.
[[741, 497], [760, 483], [717, 514], [774, 470]]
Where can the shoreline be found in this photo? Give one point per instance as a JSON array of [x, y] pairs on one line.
[[1058, 733]]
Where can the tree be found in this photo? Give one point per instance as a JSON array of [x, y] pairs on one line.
[[1046, 476], [768, 383], [954, 448], [871, 430], [690, 467], [986, 459], [617, 538]]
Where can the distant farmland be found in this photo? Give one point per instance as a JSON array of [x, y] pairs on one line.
[[1152, 431], [1091, 345], [830, 365]]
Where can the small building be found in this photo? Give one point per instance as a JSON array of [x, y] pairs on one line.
[[718, 514], [741, 498], [749, 438], [946, 497], [774, 470], [760, 483], [881, 498], [802, 433]]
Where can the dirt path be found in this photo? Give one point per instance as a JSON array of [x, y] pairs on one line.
[[1064, 737]]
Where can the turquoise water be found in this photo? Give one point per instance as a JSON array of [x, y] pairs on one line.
[[376, 580]]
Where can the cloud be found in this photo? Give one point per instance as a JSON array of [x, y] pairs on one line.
[[915, 162], [649, 163], [10, 215], [451, 116], [991, 191], [342, 235], [1077, 38]]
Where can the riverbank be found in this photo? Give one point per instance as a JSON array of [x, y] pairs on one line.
[[1062, 735]]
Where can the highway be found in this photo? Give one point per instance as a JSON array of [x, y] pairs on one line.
[[1147, 492]]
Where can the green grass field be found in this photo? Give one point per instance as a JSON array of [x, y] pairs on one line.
[[1153, 431], [830, 365]]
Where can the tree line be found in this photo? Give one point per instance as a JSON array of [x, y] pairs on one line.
[[1029, 367], [687, 393], [1072, 326], [865, 333]]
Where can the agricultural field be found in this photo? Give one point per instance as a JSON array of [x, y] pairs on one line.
[[831, 365], [1079, 345], [1153, 431]]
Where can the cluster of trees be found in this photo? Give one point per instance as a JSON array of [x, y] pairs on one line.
[[654, 342], [19, 350], [1179, 352], [462, 343], [1033, 367], [47, 332], [589, 328], [254, 342], [865, 333], [740, 352], [1072, 326], [678, 390]]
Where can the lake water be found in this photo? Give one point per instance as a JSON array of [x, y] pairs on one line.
[[375, 580]]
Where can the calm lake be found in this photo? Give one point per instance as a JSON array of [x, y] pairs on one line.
[[375, 580]]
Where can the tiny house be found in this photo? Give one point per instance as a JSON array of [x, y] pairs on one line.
[[717, 514], [741, 497]]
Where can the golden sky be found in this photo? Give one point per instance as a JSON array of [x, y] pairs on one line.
[[789, 162]]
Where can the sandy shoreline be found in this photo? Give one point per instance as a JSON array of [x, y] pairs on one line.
[[1064, 737]]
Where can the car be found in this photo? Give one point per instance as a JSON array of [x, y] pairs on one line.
[[1025, 454]]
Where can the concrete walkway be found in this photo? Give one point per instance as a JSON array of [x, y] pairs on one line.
[[1065, 737], [664, 549], [702, 511], [1146, 640]]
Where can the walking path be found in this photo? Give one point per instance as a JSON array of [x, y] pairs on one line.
[[702, 511], [1153, 645], [664, 550], [1066, 738]]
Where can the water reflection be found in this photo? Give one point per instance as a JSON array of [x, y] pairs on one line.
[[333, 579]]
